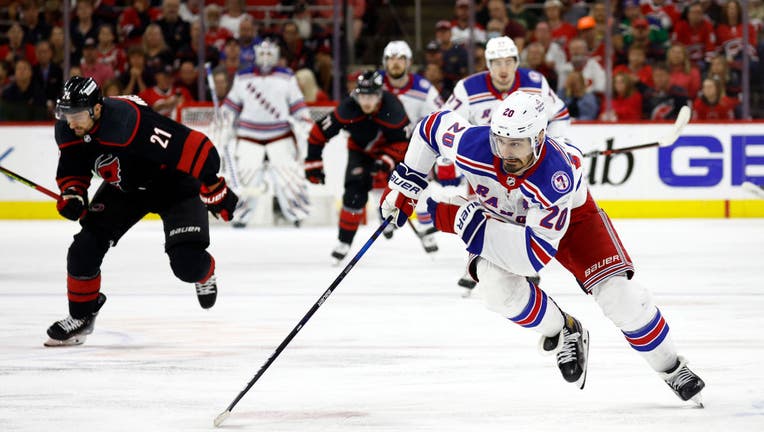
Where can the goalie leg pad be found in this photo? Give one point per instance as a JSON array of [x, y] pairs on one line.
[[521, 302], [631, 308]]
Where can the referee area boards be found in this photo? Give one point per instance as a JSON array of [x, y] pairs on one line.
[[699, 176]]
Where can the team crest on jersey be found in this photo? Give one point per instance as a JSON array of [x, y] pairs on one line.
[[534, 76], [107, 167], [561, 182], [510, 181]]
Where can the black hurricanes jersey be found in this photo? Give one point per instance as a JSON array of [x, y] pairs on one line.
[[134, 148], [379, 133]]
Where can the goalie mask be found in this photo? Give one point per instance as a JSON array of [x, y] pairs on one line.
[[79, 95], [266, 55], [518, 124]]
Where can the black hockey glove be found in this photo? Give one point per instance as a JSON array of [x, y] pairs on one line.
[[384, 164], [314, 171], [73, 203], [219, 199]]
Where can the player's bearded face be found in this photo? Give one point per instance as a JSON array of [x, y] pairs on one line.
[[516, 153], [503, 72], [80, 122], [396, 66], [368, 102]]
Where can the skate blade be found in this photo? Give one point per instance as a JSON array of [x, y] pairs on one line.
[[72, 341], [698, 399], [431, 249], [582, 379]]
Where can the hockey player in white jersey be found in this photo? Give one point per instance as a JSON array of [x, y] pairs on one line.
[[532, 204], [419, 97], [272, 116]]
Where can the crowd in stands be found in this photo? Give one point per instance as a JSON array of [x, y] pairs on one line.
[[665, 53]]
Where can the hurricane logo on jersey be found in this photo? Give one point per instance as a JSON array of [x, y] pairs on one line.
[[107, 167], [561, 182]]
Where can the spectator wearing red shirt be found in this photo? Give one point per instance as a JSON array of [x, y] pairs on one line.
[[164, 97], [729, 35], [683, 73], [713, 104], [16, 48], [133, 21], [697, 34], [215, 35], [719, 69], [306, 80], [91, 67], [562, 31], [626, 102], [661, 10], [641, 72], [108, 52]]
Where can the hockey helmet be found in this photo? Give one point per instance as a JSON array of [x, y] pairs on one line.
[[397, 48], [500, 47], [267, 54], [79, 94], [520, 115], [369, 82]]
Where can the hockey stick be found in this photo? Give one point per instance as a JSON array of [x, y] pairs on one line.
[[223, 415], [681, 121], [29, 183], [420, 235], [228, 159], [754, 189]]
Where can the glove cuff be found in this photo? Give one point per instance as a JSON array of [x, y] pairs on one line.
[[469, 224], [407, 181]]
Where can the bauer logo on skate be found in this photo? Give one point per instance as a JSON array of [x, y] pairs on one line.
[[603, 263]]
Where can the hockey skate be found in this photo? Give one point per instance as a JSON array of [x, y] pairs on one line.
[[467, 283], [684, 382], [427, 237], [207, 292], [388, 231], [572, 348], [73, 331], [340, 252]]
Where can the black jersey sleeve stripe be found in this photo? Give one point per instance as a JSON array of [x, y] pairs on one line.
[[190, 150]]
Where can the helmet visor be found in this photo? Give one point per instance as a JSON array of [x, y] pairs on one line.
[[506, 148], [72, 114]]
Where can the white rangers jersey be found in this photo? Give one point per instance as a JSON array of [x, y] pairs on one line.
[[475, 97], [418, 97], [524, 217], [265, 103]]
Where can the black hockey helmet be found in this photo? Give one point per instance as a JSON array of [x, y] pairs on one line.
[[79, 94], [369, 82]]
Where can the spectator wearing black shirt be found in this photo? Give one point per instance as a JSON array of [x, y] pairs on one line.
[[23, 100], [663, 101], [176, 32], [47, 74]]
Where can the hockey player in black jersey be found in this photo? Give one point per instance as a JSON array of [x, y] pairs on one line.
[[376, 121], [149, 164]]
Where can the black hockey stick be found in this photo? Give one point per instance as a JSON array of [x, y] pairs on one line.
[[29, 183], [681, 121], [222, 416]]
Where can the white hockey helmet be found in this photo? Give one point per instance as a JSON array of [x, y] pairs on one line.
[[266, 54], [520, 115], [397, 48], [500, 47]]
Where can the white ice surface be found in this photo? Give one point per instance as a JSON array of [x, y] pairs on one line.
[[393, 349]]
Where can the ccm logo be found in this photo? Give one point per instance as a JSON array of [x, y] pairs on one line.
[[603, 263]]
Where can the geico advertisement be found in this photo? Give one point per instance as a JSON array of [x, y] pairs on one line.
[[708, 161]]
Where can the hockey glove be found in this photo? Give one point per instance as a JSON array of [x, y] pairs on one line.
[[384, 164], [461, 217], [446, 174], [314, 171], [73, 203], [219, 199], [401, 194]]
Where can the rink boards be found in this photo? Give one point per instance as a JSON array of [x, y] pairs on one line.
[[698, 176]]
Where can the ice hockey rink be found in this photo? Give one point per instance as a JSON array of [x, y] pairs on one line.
[[394, 348]]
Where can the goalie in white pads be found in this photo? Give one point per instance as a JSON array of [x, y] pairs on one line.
[[533, 205], [273, 121]]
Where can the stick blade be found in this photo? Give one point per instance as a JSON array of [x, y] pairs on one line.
[[681, 121], [754, 189], [221, 418]]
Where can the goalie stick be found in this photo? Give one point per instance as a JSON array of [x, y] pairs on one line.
[[754, 189], [681, 121], [218, 123], [223, 415], [29, 183]]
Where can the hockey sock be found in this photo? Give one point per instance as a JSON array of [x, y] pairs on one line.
[[349, 221], [82, 294], [540, 312]]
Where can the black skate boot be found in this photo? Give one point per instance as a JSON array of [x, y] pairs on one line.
[[340, 252], [388, 231], [572, 348], [467, 283], [427, 237], [684, 382], [207, 292], [73, 331]]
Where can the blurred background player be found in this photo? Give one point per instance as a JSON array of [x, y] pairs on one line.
[[375, 121], [271, 116], [419, 98], [475, 96], [532, 204], [149, 164]]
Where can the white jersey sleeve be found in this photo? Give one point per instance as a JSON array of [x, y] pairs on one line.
[[459, 101], [233, 101], [557, 111], [298, 109]]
